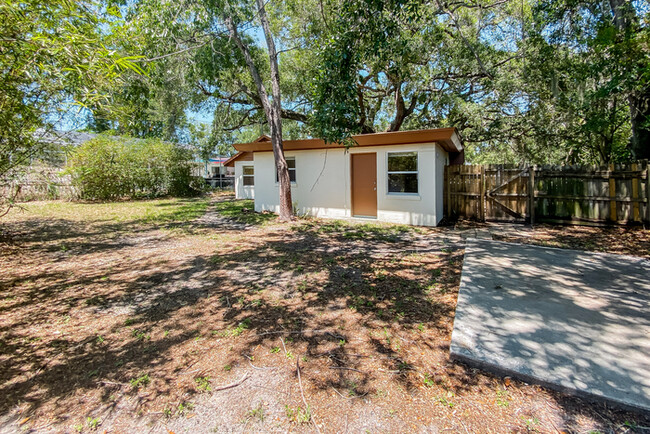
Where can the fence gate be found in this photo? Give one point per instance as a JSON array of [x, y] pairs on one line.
[[566, 194], [489, 192]]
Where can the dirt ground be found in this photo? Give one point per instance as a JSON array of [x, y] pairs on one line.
[[155, 317]]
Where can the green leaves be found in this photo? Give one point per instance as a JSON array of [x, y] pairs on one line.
[[108, 168]]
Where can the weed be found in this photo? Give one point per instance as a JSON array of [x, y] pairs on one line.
[[100, 339], [502, 398], [289, 355], [352, 388], [275, 350], [142, 381], [531, 423], [444, 401], [302, 285], [203, 383], [183, 407], [244, 325], [79, 427], [387, 336], [227, 368], [289, 412], [299, 415], [421, 327], [341, 343], [167, 412], [140, 335], [165, 333], [93, 423], [428, 381], [256, 413], [129, 321]]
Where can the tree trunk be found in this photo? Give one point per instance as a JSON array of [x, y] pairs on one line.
[[640, 117], [272, 109], [275, 120], [626, 20]]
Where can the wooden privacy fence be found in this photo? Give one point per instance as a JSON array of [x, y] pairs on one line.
[[558, 194]]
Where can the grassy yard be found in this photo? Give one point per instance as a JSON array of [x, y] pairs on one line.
[[150, 314]]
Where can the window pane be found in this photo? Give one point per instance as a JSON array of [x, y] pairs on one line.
[[402, 162], [248, 170], [402, 183], [291, 163], [249, 180]]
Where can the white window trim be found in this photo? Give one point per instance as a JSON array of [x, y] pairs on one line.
[[295, 169], [396, 194], [243, 175]]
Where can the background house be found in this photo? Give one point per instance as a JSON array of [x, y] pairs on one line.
[[394, 177]]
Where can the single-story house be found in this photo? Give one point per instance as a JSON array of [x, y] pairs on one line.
[[394, 177], [213, 167]]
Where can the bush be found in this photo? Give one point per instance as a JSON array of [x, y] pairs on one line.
[[115, 167]]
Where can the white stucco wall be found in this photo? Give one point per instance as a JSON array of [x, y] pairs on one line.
[[442, 160], [243, 191], [322, 187]]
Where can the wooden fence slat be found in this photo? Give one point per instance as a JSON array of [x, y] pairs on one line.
[[574, 194], [482, 195], [531, 194], [612, 195]]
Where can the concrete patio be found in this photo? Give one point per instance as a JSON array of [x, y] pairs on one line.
[[573, 321]]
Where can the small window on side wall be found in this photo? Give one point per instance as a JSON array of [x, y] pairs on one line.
[[248, 175], [403, 172], [291, 162]]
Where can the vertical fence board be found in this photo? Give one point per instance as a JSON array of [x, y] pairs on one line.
[[573, 194]]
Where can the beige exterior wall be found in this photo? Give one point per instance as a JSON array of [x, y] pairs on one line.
[[243, 191], [322, 187]]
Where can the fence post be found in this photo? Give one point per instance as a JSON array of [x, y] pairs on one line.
[[481, 199], [647, 190], [612, 194], [531, 193], [635, 193]]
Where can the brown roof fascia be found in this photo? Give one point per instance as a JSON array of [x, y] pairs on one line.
[[239, 156], [448, 138]]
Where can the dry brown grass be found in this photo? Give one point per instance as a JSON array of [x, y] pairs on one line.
[[132, 314]]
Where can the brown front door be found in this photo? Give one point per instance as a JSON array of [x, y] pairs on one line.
[[364, 184]]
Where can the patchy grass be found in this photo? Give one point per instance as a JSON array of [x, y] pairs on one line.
[[156, 211], [243, 211], [357, 231], [103, 307]]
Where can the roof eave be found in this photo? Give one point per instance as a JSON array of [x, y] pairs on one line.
[[448, 138]]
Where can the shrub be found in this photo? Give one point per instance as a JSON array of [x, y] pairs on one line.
[[114, 167]]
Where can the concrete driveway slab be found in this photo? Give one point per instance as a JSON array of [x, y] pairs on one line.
[[574, 321]]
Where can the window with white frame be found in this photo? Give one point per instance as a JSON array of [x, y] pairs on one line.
[[403, 172], [291, 162], [248, 175]]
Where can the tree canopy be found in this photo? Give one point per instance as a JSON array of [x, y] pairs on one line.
[[532, 81]]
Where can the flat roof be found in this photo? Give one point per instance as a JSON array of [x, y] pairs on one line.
[[448, 138]]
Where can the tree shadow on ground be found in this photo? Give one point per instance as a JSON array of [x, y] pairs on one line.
[[357, 302]]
